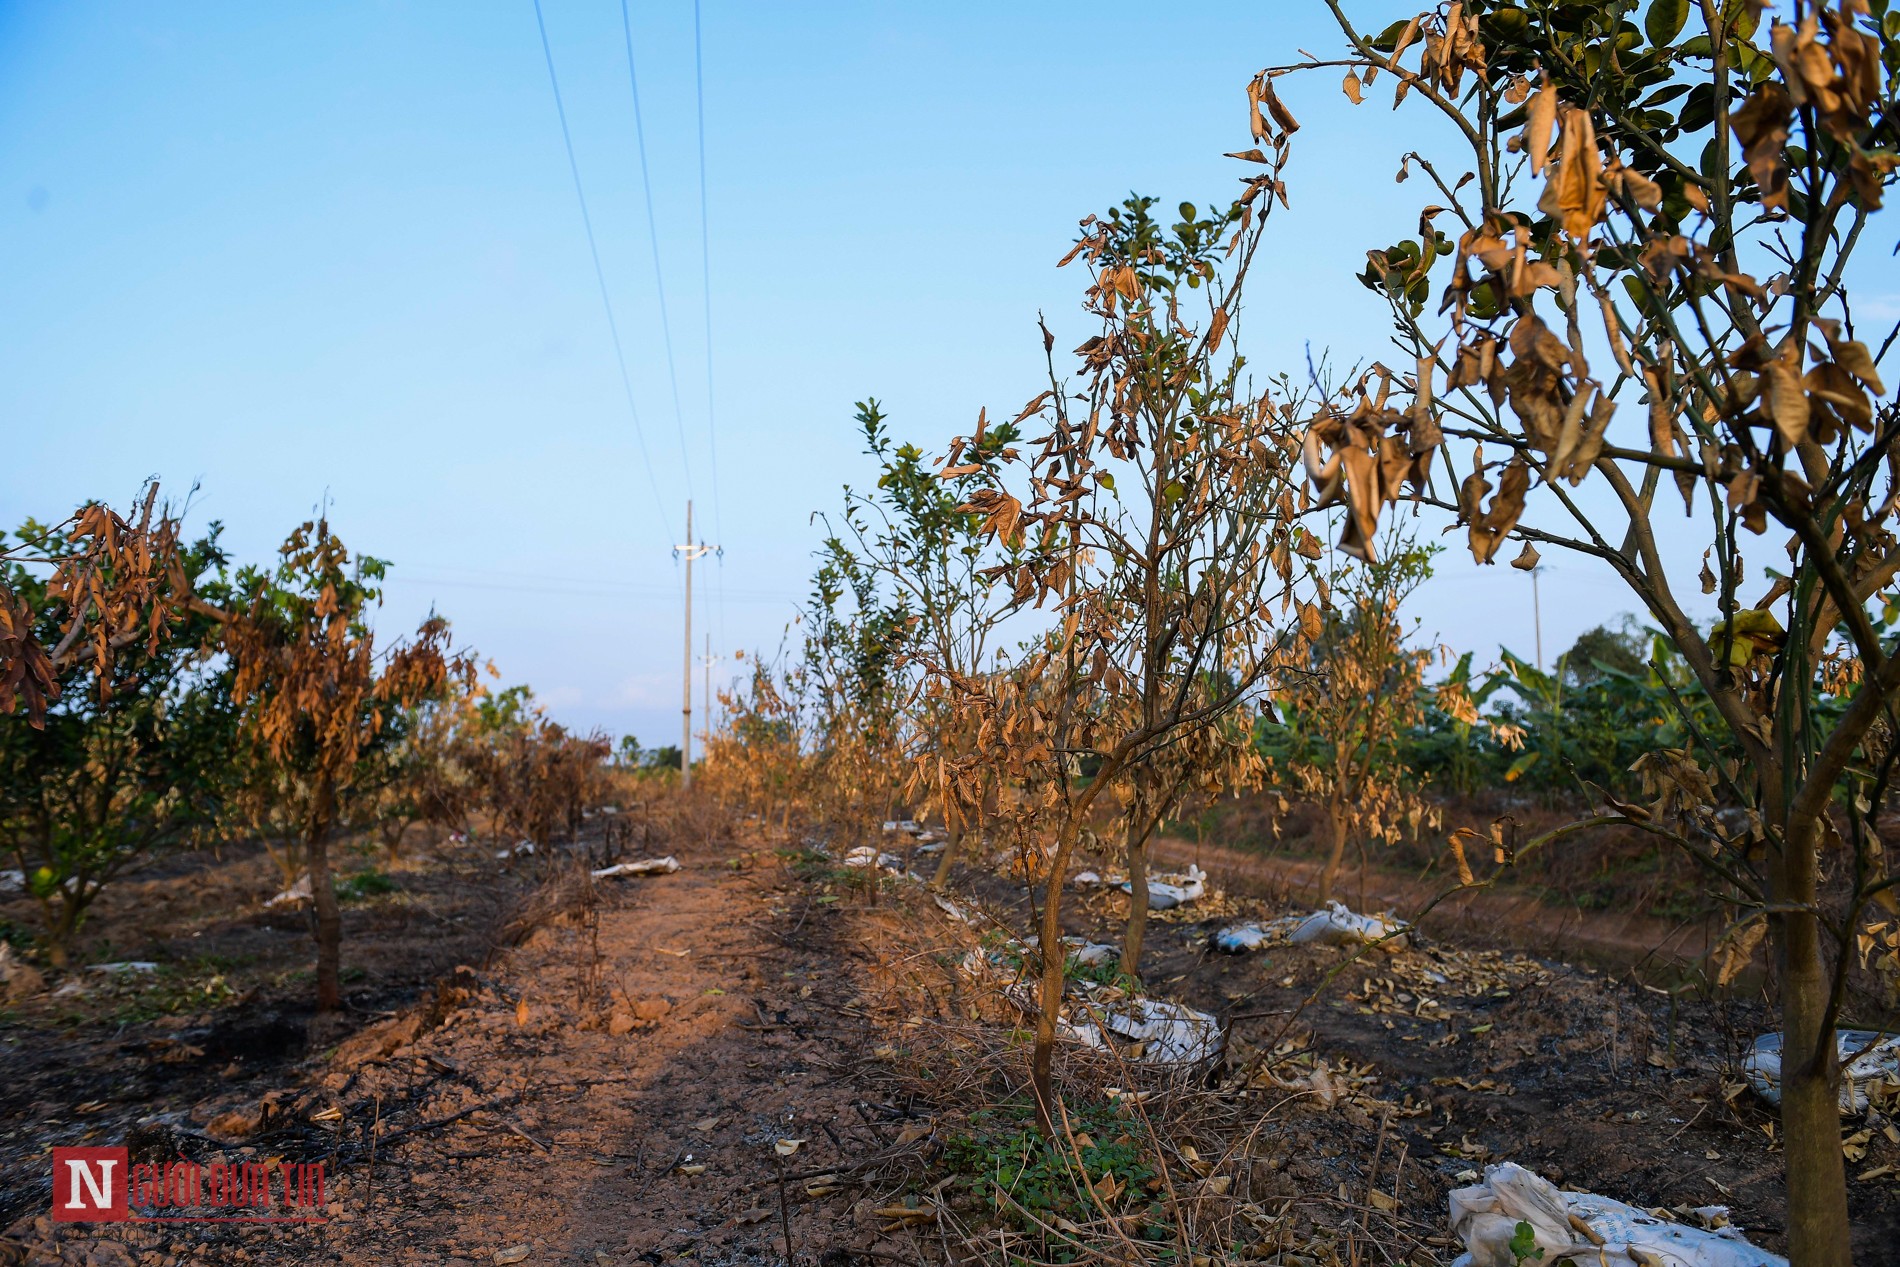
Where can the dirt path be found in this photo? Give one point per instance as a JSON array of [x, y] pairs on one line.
[[617, 1094], [612, 1088]]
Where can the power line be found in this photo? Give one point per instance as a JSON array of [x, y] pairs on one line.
[[583, 589], [653, 237], [705, 281], [600, 275], [705, 263]]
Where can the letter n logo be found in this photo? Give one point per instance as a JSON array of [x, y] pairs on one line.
[[89, 1185]]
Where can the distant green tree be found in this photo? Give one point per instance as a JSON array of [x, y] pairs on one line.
[[919, 567], [1624, 648], [1343, 723]]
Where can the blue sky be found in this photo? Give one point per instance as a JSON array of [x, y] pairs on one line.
[[293, 252]]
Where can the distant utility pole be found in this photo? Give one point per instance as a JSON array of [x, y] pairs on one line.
[[689, 551], [1536, 616]]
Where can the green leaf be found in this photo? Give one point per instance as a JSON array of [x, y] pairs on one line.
[[1524, 1242], [1664, 21], [1519, 766], [1388, 39]]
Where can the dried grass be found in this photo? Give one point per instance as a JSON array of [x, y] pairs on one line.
[[1217, 1139]]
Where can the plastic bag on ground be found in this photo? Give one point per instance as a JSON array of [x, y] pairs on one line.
[[646, 866], [1339, 926], [1169, 1033], [989, 965], [1870, 1062], [298, 892], [1169, 890], [1582, 1227], [1091, 953], [954, 911], [866, 856], [1238, 939]]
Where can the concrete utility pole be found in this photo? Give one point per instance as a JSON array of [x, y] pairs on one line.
[[689, 551], [1537, 618]]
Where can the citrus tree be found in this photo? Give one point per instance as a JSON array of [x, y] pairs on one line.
[[126, 742], [319, 699], [1154, 518], [87, 588], [927, 558], [1340, 737], [1629, 303]]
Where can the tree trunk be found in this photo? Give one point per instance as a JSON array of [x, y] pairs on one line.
[[1818, 1228], [392, 841], [59, 932], [1053, 964], [1336, 823], [323, 897], [1136, 860], [952, 838]]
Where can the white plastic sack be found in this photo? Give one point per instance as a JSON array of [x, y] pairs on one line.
[[1238, 939], [1485, 1217], [1339, 926], [298, 892], [1167, 891], [1169, 1033], [954, 911], [1091, 953], [646, 866], [1867, 1059], [865, 856]]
